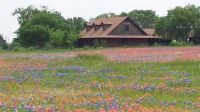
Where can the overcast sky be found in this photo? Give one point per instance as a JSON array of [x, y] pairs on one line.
[[82, 8]]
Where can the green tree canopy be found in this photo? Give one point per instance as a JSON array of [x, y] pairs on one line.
[[196, 37], [41, 26], [180, 23], [3, 43], [50, 20], [25, 14], [106, 15], [161, 27], [56, 37], [33, 35], [75, 24]]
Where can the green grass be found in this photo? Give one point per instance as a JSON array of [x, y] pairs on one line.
[[101, 76]]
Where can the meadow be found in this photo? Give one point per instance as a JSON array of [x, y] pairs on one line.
[[35, 82]]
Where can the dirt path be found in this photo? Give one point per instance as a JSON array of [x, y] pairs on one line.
[[152, 54], [146, 54]]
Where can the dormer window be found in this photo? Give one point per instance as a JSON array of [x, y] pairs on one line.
[[103, 26], [95, 27], [126, 27], [88, 28]]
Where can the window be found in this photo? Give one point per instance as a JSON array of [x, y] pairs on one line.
[[126, 27]]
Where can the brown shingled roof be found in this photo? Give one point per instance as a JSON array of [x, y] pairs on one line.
[[149, 31], [113, 22]]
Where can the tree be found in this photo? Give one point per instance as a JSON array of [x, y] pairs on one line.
[[25, 14], [56, 38], [33, 35], [70, 39], [179, 22], [124, 14], [41, 26], [144, 18], [196, 37], [106, 15], [3, 43], [75, 24], [52, 20], [161, 27]]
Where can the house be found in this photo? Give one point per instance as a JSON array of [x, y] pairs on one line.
[[116, 31]]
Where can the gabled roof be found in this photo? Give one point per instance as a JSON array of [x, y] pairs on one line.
[[113, 22], [150, 31]]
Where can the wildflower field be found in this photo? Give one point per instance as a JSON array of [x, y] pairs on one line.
[[62, 82]]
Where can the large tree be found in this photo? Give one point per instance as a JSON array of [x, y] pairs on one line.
[[52, 20], [196, 37], [161, 27], [41, 26], [33, 35], [180, 23], [3, 43], [35, 25], [106, 15], [25, 14], [75, 24]]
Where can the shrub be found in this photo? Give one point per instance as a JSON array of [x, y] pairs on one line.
[[178, 43], [48, 46], [33, 35], [86, 47], [56, 37], [125, 46], [17, 48], [196, 40], [99, 43], [70, 38], [156, 44], [30, 48]]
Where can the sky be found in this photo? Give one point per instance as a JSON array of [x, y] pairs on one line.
[[82, 8]]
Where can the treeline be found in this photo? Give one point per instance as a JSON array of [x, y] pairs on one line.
[[144, 18], [44, 28], [41, 28], [181, 23]]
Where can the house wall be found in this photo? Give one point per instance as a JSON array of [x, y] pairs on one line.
[[114, 42], [121, 30], [119, 42]]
